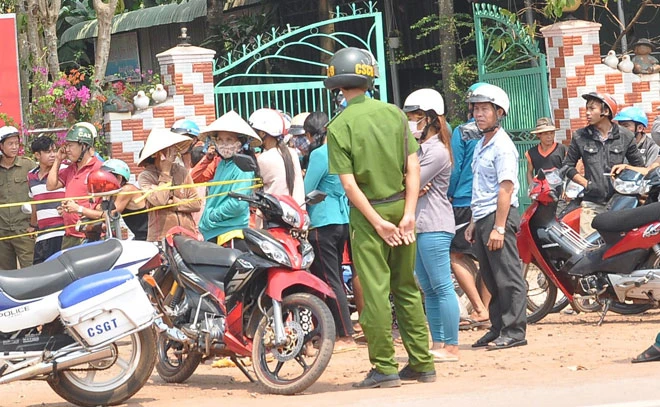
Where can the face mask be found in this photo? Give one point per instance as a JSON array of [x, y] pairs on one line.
[[227, 150], [413, 128]]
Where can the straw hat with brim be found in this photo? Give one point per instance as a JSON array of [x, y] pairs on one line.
[[232, 123], [158, 140], [543, 125]]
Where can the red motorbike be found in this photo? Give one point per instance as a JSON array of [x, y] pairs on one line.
[[617, 271], [261, 303]]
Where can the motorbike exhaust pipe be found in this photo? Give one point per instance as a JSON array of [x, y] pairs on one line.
[[63, 362], [172, 333]]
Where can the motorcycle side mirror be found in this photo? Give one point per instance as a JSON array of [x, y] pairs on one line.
[[245, 162], [315, 197]]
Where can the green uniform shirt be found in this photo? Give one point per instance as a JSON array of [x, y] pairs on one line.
[[366, 140], [14, 188]]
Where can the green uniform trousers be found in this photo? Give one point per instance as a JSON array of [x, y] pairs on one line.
[[21, 248], [383, 269]]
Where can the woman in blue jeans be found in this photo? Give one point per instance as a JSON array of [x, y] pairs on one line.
[[435, 221]]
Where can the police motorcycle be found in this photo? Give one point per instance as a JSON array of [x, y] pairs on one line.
[[81, 320]]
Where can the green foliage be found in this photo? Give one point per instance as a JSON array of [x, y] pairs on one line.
[[555, 8], [64, 102], [464, 72]]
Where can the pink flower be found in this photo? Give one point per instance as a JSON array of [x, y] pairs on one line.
[[84, 95], [70, 94]]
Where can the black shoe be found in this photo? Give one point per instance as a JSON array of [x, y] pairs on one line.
[[376, 379], [408, 374], [504, 342], [485, 340]]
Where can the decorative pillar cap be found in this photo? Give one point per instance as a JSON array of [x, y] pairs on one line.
[[570, 27]]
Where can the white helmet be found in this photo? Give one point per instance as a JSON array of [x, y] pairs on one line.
[[490, 93], [425, 99], [8, 131], [269, 121], [297, 123]]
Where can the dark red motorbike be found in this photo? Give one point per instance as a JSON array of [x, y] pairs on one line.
[[619, 271], [261, 304]]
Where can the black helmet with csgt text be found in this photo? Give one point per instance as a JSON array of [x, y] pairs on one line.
[[351, 68]]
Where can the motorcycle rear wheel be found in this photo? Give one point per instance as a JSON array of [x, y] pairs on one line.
[[311, 315], [176, 360], [541, 293], [110, 381], [623, 308]]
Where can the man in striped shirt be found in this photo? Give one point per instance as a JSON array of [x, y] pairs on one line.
[[45, 215]]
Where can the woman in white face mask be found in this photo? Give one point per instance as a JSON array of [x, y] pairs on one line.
[[227, 136], [434, 216]]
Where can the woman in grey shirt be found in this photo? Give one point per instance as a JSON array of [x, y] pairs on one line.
[[435, 221]]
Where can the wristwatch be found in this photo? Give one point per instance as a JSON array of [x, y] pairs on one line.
[[80, 210], [499, 229]]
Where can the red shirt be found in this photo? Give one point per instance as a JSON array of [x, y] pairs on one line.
[[75, 184]]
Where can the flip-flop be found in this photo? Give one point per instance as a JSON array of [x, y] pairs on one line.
[[650, 355], [472, 324], [441, 357]]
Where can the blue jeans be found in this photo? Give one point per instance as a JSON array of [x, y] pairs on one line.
[[434, 275]]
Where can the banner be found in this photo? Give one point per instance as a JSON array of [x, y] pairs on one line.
[[10, 88]]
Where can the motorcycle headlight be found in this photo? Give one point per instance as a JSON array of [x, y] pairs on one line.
[[629, 187], [290, 215], [306, 222], [307, 254], [275, 252]]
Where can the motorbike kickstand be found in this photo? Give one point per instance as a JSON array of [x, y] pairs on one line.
[[239, 364], [606, 307]]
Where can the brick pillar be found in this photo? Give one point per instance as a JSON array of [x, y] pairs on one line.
[[574, 60], [187, 75]]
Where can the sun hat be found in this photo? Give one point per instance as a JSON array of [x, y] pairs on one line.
[[644, 41], [543, 125], [234, 123], [159, 139]]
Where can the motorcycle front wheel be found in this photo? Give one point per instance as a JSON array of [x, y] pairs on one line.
[[541, 293], [110, 381], [296, 365]]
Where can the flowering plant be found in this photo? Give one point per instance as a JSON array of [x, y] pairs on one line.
[[127, 87], [61, 103]]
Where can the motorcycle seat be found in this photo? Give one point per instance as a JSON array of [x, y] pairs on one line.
[[627, 219], [53, 275], [204, 253]]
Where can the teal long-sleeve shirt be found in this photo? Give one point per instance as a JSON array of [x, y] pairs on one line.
[[223, 213], [333, 210], [463, 141]]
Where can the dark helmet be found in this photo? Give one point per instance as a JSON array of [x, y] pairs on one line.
[[83, 133], [351, 68]]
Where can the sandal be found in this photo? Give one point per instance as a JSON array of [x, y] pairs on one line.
[[504, 342], [473, 324], [649, 355]]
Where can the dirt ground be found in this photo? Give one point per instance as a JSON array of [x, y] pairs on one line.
[[564, 350]]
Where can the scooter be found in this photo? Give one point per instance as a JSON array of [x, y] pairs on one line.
[[617, 273], [81, 320], [262, 303]]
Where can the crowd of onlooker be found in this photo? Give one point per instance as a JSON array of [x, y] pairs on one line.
[[422, 196]]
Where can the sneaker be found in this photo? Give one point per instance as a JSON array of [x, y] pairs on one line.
[[408, 374], [376, 379]]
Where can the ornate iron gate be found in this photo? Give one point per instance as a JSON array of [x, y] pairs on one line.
[[509, 57], [284, 70]]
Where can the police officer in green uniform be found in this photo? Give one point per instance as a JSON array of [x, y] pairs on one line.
[[14, 188], [366, 147]]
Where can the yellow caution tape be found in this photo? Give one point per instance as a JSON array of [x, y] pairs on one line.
[[155, 208]]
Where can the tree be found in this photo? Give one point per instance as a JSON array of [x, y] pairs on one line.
[[49, 11], [104, 14], [447, 55]]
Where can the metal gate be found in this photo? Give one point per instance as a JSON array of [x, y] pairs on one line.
[[509, 57], [284, 68]]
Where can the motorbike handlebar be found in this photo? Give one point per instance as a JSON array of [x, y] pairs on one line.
[[553, 195]]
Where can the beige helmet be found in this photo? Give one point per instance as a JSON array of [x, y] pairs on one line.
[[231, 122], [159, 139]]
